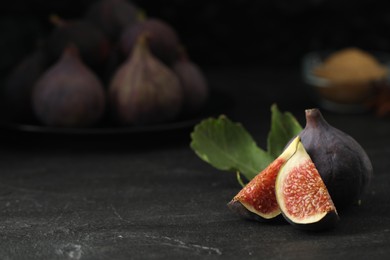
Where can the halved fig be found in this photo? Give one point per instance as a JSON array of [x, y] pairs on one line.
[[257, 201], [302, 195]]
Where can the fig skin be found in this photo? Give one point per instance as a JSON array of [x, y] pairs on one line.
[[68, 94], [112, 16], [144, 90], [330, 221], [92, 44], [17, 89], [194, 84], [342, 163], [163, 41]]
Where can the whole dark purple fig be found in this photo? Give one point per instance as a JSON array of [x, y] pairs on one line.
[[92, 44], [163, 40], [144, 90], [342, 163], [194, 84], [112, 16], [68, 94], [17, 89]]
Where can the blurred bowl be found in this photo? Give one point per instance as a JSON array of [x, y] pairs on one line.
[[348, 96]]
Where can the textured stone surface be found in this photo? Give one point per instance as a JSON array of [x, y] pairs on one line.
[[149, 197]]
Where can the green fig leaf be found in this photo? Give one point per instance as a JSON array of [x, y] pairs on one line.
[[284, 127], [228, 146]]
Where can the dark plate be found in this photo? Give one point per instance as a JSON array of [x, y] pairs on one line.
[[218, 103]]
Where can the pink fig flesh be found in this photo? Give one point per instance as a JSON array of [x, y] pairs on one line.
[[302, 195], [257, 199]]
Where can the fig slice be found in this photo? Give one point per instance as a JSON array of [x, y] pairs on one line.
[[302, 195], [257, 200]]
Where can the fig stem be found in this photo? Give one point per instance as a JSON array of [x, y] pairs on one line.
[[141, 15], [240, 181], [71, 49], [183, 54], [57, 21], [314, 117]]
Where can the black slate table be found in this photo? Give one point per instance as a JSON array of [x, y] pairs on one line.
[[148, 196]]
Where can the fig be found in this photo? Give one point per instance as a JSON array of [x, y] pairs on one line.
[[144, 90], [17, 89], [68, 94], [342, 163], [257, 200], [112, 16], [194, 84], [302, 195], [92, 44], [163, 40]]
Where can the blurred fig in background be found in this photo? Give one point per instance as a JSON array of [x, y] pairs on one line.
[[112, 16], [144, 90], [163, 41], [69, 94], [193, 82], [16, 92], [92, 44]]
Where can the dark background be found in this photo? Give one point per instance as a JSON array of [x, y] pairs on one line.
[[224, 33], [148, 196]]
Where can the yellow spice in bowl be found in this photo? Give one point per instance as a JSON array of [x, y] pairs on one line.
[[350, 73]]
